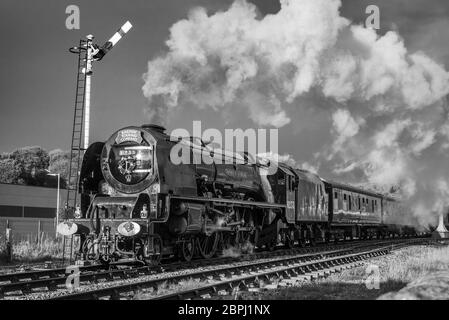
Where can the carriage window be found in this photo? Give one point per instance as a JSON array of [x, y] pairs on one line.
[[360, 205], [350, 203], [344, 197], [335, 195]]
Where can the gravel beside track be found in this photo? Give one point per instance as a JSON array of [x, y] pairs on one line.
[[170, 285], [51, 283]]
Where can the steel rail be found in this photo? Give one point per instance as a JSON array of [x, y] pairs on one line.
[[294, 271], [13, 277], [113, 292], [52, 278], [263, 277], [156, 283]]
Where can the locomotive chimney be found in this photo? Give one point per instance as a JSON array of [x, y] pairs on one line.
[[154, 127]]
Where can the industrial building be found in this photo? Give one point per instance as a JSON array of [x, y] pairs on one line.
[[29, 210]]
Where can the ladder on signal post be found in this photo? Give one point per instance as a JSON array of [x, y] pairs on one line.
[[76, 149]]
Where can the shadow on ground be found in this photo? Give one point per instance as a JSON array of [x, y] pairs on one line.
[[326, 291]]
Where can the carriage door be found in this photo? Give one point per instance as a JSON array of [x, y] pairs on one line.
[[290, 192]]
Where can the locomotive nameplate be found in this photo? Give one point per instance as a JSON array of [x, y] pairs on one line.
[[128, 135]]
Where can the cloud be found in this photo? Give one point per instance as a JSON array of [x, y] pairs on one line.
[[387, 118]]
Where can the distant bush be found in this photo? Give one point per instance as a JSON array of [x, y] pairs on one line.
[[26, 166]]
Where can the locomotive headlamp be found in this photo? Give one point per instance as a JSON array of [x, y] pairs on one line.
[[128, 229], [144, 212], [67, 228]]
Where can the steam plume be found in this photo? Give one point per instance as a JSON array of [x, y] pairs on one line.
[[388, 120]]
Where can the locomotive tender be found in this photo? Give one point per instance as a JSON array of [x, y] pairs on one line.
[[136, 203]]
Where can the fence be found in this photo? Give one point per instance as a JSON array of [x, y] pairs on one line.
[[28, 228]]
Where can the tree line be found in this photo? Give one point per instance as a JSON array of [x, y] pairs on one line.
[[28, 165]]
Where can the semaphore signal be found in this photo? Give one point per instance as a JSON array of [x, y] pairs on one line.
[[87, 52]]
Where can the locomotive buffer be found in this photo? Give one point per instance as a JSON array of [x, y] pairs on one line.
[[87, 52]]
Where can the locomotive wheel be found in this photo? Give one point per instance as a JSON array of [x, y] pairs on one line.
[[290, 239], [254, 237], [227, 242], [327, 238], [207, 245], [245, 241], [187, 249], [272, 245], [312, 241], [311, 238], [300, 238], [302, 243]]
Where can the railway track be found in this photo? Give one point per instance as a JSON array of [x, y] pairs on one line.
[[26, 281], [39, 271], [295, 272], [230, 284], [227, 278]]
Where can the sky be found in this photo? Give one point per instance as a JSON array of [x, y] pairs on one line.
[[38, 73]]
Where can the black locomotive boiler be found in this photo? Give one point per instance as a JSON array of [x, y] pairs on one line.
[[138, 203]]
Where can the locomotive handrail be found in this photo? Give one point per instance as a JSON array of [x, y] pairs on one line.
[[232, 201]]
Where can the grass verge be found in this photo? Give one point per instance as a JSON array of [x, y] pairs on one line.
[[395, 270], [32, 250]]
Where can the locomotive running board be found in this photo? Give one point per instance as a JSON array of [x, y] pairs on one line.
[[265, 205]]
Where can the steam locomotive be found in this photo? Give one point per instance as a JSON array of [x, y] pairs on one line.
[[137, 203]]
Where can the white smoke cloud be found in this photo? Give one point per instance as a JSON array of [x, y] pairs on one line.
[[388, 123], [345, 126]]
